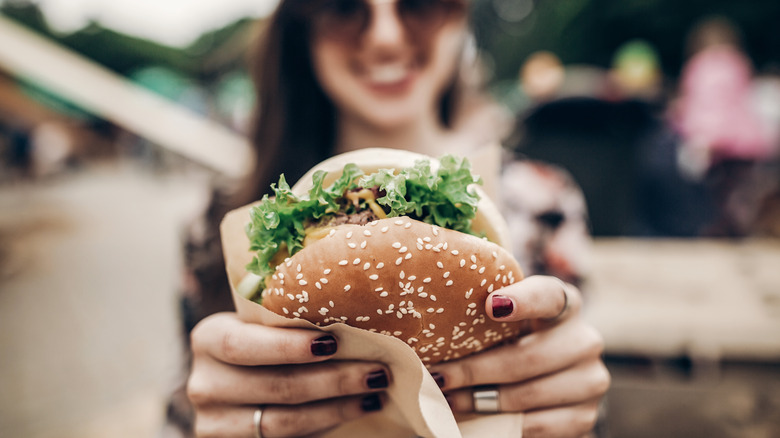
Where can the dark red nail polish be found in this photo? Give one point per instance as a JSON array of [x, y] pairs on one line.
[[502, 306], [371, 403], [324, 346], [439, 379], [377, 379]]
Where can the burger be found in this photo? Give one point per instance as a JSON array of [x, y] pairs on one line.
[[387, 241]]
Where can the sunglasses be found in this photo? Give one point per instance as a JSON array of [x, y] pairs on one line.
[[347, 20]]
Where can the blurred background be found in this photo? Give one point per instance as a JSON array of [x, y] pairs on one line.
[[116, 117]]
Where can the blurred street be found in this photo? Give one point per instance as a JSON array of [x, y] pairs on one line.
[[88, 314]]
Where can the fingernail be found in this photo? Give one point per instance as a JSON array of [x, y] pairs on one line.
[[371, 403], [324, 346], [439, 378], [502, 306], [377, 379]]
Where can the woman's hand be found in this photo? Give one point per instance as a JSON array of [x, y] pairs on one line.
[[238, 367], [554, 374]]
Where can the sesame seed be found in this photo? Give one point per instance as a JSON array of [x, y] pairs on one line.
[[501, 268], [398, 261], [384, 294], [407, 225], [356, 262], [423, 294], [366, 266], [318, 285], [472, 305], [446, 274], [379, 289], [347, 288], [498, 276], [367, 233], [324, 280], [427, 280], [327, 271], [324, 311], [440, 265], [384, 229], [373, 277], [399, 315], [462, 262], [408, 256], [482, 283], [431, 310], [399, 222], [286, 312], [449, 283], [331, 233], [473, 258], [363, 244], [380, 265], [434, 231], [428, 246], [352, 245], [402, 275], [440, 310], [296, 314], [331, 303], [349, 235], [299, 276], [474, 267], [454, 252], [397, 333], [343, 263], [412, 278], [403, 249], [303, 282], [397, 245], [433, 297], [379, 311], [291, 297], [481, 270]]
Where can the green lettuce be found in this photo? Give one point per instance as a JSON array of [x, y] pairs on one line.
[[444, 198]]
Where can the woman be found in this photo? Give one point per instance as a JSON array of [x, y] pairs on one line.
[[334, 76]]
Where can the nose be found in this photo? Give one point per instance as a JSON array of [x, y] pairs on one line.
[[385, 27]]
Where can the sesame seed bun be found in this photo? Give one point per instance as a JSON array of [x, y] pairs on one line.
[[421, 283]]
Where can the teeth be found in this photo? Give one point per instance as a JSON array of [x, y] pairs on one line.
[[387, 74]]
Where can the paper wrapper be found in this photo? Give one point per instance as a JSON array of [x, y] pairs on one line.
[[415, 408]]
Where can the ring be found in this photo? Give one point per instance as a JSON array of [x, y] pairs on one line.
[[256, 419], [565, 300], [486, 400]]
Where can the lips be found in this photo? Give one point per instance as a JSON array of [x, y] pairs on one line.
[[394, 78]]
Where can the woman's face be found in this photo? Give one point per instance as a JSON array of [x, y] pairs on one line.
[[388, 71]]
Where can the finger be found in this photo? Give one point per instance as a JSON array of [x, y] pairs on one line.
[[536, 297], [283, 421], [565, 422], [534, 355], [572, 386], [230, 340], [290, 384]]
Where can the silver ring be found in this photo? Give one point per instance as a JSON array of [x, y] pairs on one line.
[[256, 419], [486, 400], [565, 300]]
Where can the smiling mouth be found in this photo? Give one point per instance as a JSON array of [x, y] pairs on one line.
[[388, 74]]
